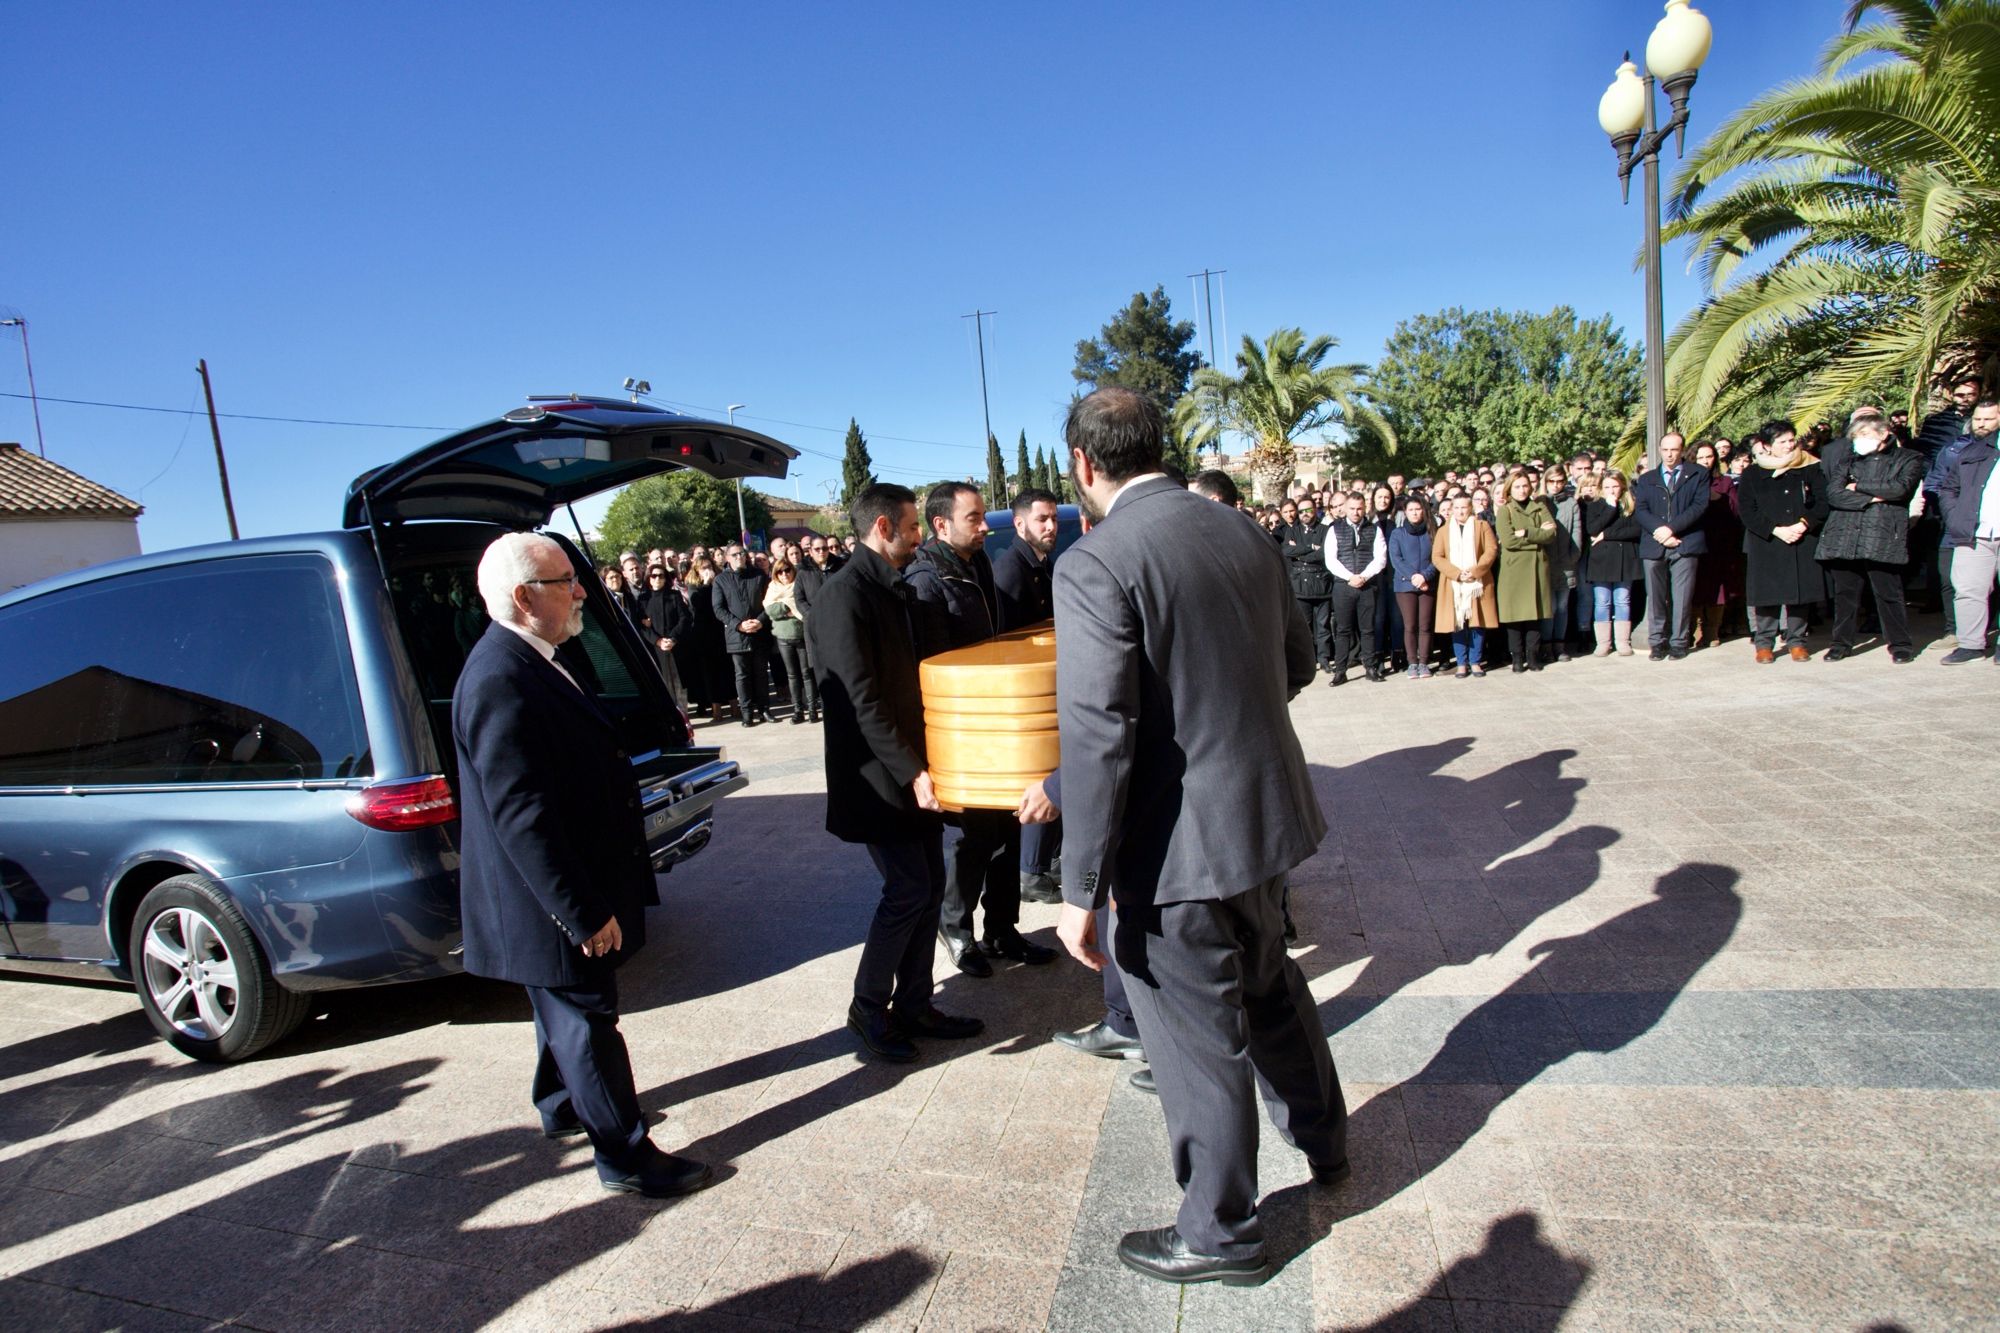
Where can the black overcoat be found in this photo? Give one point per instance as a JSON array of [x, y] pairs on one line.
[[1774, 573], [1613, 554], [739, 596], [552, 841], [865, 658], [1858, 529], [1022, 584]]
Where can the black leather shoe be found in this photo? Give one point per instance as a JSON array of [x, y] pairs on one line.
[[1164, 1255], [659, 1175], [1339, 678], [1039, 889], [1658, 655], [752, 720], [1099, 1039], [798, 718], [1902, 656], [1836, 654], [1678, 654], [1142, 1079], [965, 955], [933, 1022], [1329, 1173], [878, 1036], [1012, 944]]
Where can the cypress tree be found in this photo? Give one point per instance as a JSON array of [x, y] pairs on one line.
[[856, 468], [1023, 478], [996, 475]]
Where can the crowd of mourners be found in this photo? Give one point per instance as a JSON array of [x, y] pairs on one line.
[[727, 624], [1515, 565], [1771, 536]]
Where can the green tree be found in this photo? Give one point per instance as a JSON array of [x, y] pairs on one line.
[[857, 470], [1464, 387], [1023, 477], [996, 475], [1870, 195], [677, 510], [1041, 472], [1144, 349], [1283, 389]]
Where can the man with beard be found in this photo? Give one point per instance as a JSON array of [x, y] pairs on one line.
[[878, 781], [1180, 639], [1304, 546], [952, 579], [1971, 505], [1021, 582], [555, 880]]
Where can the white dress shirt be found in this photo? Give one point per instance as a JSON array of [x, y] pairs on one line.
[[542, 646]]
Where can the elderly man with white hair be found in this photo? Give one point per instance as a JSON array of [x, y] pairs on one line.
[[554, 879]]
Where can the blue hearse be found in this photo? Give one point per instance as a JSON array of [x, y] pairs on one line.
[[226, 772]]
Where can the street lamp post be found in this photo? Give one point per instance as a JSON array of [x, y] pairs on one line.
[[35, 402], [1674, 53], [742, 526]]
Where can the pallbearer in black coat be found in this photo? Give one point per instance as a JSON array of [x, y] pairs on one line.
[[1023, 578], [555, 880], [878, 782]]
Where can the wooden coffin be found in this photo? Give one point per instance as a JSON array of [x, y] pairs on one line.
[[990, 718]]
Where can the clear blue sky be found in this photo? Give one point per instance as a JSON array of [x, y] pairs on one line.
[[417, 214]]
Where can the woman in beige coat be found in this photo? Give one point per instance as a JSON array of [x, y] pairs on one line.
[[1464, 552]]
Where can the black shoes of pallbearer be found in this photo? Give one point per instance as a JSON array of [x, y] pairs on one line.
[[657, 1175], [1102, 1040], [888, 1035], [1012, 944], [1039, 888], [965, 954], [1162, 1254]]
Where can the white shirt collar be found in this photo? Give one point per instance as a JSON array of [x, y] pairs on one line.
[[1129, 484], [542, 645]]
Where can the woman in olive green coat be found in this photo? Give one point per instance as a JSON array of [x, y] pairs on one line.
[[1525, 528]]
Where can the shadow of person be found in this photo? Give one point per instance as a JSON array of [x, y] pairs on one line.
[[856, 1296], [1517, 1264], [1519, 1034]]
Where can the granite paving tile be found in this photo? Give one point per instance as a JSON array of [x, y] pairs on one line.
[[54, 1309]]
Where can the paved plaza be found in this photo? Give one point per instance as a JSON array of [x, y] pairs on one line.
[[1665, 996]]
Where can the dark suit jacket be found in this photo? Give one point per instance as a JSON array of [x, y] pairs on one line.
[[1179, 645], [553, 844], [865, 657], [1023, 582], [1652, 505], [740, 597]]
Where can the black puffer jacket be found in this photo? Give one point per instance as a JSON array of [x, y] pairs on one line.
[[1860, 529]]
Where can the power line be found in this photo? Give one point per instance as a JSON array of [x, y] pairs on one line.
[[390, 425], [393, 425]]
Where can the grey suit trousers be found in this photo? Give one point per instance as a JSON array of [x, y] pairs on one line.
[[1223, 1009]]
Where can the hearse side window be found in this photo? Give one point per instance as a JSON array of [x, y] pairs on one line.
[[227, 670]]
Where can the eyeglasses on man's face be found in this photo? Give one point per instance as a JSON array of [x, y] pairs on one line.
[[571, 579]]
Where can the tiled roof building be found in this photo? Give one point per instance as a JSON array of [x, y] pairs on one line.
[[33, 487]]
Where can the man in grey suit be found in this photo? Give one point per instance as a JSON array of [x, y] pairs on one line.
[[1186, 800]]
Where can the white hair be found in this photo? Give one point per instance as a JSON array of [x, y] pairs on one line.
[[507, 564]]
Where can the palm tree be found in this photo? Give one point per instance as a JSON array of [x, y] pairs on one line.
[[1870, 195], [1281, 391]]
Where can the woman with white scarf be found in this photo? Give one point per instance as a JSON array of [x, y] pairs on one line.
[[1464, 552]]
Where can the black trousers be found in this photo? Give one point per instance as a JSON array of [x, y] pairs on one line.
[[798, 671], [1225, 1015], [1117, 1007], [753, 669], [1040, 845], [1524, 642], [1318, 612], [897, 957], [581, 1066], [1353, 625], [1847, 576], [984, 865], [1670, 602]]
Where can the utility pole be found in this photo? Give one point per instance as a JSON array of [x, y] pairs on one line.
[[742, 527], [33, 401], [1208, 322], [214, 430], [979, 319]]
